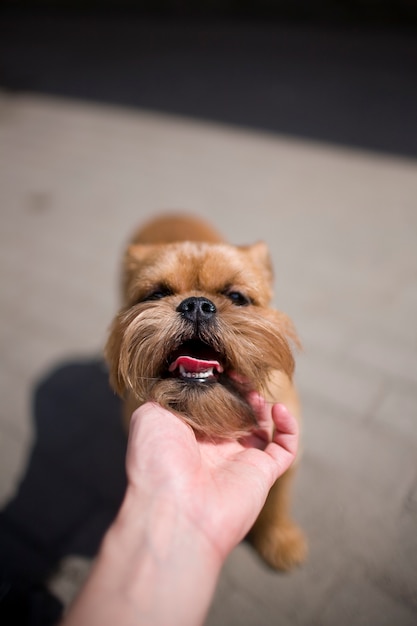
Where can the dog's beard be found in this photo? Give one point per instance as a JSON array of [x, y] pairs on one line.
[[145, 338]]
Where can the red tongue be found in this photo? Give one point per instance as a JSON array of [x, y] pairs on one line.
[[194, 365]]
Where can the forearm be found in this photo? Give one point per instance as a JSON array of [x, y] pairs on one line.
[[153, 568]]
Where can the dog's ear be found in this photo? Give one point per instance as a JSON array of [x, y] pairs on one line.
[[134, 260], [260, 256], [137, 252], [112, 356]]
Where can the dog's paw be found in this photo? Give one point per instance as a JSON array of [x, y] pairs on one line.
[[281, 547]]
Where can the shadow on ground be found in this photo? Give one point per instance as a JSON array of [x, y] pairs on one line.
[[70, 491], [346, 83]]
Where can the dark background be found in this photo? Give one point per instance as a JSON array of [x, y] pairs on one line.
[[340, 72]]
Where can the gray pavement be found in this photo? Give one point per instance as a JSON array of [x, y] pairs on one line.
[[341, 223]]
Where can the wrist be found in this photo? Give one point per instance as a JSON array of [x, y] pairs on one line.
[[159, 519], [164, 559]]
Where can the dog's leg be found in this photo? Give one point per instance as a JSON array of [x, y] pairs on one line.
[[279, 541]]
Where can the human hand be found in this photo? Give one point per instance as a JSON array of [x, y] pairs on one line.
[[188, 503], [219, 487]]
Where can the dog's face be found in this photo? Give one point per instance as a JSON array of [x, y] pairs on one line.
[[196, 332]]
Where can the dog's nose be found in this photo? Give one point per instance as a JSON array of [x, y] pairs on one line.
[[197, 309]]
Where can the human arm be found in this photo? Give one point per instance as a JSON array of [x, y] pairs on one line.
[[187, 505]]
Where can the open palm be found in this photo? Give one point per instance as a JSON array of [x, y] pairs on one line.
[[219, 486]]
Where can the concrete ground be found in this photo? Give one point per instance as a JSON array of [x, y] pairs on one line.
[[341, 223]]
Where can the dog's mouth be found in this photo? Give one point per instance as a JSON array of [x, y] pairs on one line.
[[196, 361]]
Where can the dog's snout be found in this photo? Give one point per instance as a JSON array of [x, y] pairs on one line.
[[197, 309]]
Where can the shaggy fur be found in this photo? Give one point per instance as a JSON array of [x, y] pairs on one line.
[[177, 262]]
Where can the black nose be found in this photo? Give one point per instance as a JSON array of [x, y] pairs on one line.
[[197, 309]]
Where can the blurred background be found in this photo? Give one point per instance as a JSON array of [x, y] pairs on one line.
[[293, 122]]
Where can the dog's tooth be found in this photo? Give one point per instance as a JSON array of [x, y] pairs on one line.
[[197, 375]]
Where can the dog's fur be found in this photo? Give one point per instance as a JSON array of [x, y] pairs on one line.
[[187, 293]]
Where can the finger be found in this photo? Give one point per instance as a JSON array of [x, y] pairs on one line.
[[158, 442], [145, 419], [262, 410], [242, 380], [151, 422], [284, 446], [286, 428], [142, 425], [151, 415]]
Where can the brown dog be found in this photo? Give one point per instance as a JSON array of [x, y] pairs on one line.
[[196, 333]]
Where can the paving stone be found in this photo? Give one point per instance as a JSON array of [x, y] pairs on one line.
[[395, 575], [345, 519], [47, 505], [343, 382], [77, 552], [71, 400], [378, 458], [412, 498], [398, 410], [75, 180], [238, 609], [13, 454], [325, 334], [15, 406], [356, 601], [78, 426], [68, 578], [291, 598], [387, 354], [21, 558]]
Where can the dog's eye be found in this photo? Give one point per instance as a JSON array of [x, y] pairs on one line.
[[239, 299], [158, 294]]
